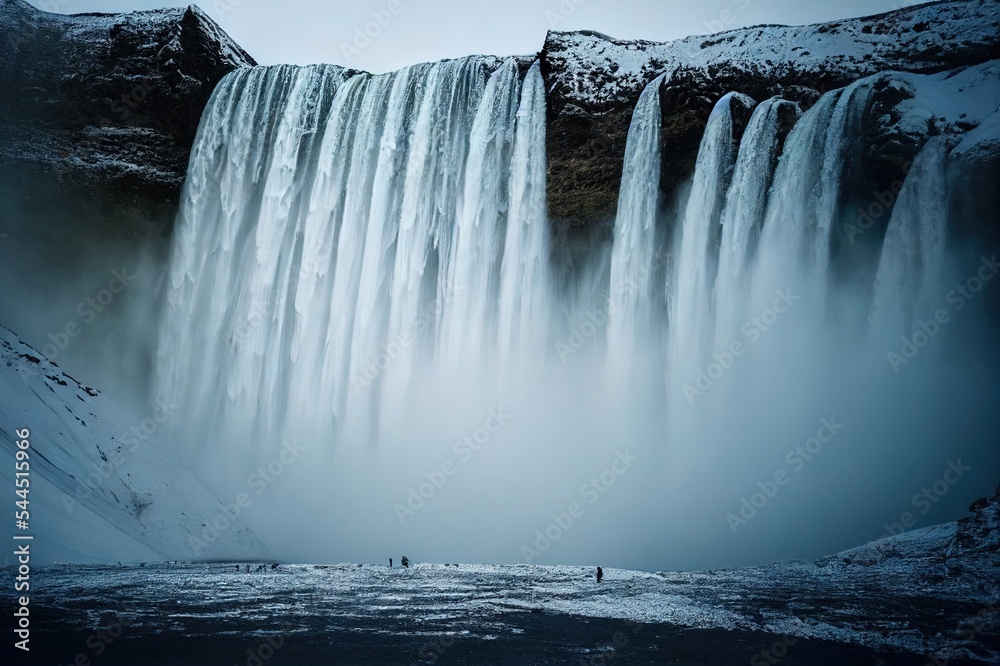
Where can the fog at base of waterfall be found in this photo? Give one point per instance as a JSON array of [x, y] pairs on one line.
[[363, 283]]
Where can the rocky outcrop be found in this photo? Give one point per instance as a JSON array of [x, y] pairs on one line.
[[99, 112], [102, 109], [594, 81]]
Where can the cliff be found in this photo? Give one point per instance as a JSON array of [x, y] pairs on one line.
[[99, 112], [594, 81]]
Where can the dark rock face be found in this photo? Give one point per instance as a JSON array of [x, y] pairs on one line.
[[594, 82], [980, 533], [99, 112]]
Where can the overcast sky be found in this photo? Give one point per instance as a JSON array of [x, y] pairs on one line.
[[410, 31]]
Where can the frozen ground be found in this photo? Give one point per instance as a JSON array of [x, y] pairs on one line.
[[483, 614]]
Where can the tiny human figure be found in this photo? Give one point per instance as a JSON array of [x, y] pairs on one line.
[[390, 562], [405, 561], [600, 574]]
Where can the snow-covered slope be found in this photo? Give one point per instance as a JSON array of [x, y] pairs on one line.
[[594, 81], [594, 70], [101, 488], [949, 103]]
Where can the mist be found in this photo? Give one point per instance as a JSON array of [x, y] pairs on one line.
[[805, 432]]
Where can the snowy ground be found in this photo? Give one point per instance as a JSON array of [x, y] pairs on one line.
[[927, 596], [487, 614]]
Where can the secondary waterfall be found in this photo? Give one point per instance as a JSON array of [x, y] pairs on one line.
[[804, 202], [743, 213], [631, 299], [910, 268], [690, 313], [524, 305], [338, 232]]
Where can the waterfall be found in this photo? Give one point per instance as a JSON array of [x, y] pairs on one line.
[[689, 318], [910, 268], [434, 177], [743, 214], [347, 240], [218, 351], [337, 233], [794, 246], [631, 294], [523, 305], [471, 276]]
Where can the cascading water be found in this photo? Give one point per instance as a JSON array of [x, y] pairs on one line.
[[690, 303], [804, 202], [911, 265], [743, 213], [373, 226], [217, 347], [468, 334], [631, 300], [364, 260], [433, 183], [523, 302]]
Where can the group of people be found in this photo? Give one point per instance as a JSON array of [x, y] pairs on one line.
[[260, 567], [405, 561]]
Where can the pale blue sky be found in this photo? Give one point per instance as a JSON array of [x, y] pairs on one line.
[[309, 31]]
